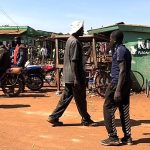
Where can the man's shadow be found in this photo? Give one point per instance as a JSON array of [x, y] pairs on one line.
[[137, 123], [39, 93], [14, 106], [45, 90], [96, 124], [31, 95], [133, 122], [117, 121], [143, 140], [118, 124], [23, 95]]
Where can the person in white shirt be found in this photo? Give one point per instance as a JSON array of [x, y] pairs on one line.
[[44, 53]]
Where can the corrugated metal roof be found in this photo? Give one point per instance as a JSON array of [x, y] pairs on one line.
[[11, 32], [14, 27], [122, 27], [17, 30]]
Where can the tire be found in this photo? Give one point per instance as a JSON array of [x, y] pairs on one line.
[[137, 81], [34, 82], [12, 85], [101, 83]]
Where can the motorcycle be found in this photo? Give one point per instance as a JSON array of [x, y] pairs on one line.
[[36, 75], [12, 82]]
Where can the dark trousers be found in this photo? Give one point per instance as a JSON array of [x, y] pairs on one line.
[[110, 107], [79, 94]]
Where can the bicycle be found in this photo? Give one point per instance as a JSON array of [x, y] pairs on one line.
[[102, 78], [99, 79]]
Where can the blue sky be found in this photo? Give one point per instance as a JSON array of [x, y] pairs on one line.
[[57, 15]]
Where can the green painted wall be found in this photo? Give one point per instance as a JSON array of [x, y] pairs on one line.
[[140, 53]]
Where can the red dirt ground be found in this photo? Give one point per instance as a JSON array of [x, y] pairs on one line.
[[23, 124]]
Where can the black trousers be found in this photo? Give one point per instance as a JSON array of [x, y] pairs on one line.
[[110, 107], [79, 94]]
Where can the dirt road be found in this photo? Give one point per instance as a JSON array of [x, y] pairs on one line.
[[23, 124]]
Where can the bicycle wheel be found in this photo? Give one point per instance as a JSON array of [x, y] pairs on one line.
[[137, 81], [101, 83]]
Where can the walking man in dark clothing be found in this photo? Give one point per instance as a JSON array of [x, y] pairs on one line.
[[118, 92], [74, 78], [5, 61]]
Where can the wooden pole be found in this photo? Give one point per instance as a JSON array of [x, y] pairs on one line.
[[57, 68], [94, 52]]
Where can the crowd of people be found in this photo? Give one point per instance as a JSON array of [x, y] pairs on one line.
[[17, 54], [117, 94], [10, 56]]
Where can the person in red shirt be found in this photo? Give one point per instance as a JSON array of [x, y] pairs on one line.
[[20, 53]]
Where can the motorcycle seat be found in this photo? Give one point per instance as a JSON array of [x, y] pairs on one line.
[[16, 70]]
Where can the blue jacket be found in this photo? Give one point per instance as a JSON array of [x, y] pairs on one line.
[[22, 57]]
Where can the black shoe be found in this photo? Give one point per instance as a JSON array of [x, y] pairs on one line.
[[54, 122], [111, 141], [89, 123], [127, 140]]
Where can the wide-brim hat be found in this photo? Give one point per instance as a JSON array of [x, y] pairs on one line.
[[76, 26]]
